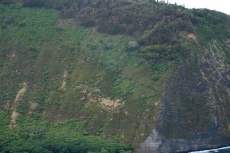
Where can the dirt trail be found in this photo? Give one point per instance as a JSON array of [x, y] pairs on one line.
[[20, 92], [63, 86], [15, 115]]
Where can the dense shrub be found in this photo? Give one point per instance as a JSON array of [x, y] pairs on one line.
[[34, 136], [121, 17], [7, 2]]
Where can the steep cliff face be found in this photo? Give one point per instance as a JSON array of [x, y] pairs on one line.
[[113, 70], [195, 106]]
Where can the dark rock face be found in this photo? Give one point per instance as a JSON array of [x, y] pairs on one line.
[[195, 107], [158, 144]]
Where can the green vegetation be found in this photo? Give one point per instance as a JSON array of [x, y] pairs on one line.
[[70, 136], [68, 69]]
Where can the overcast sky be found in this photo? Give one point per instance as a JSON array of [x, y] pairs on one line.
[[218, 5]]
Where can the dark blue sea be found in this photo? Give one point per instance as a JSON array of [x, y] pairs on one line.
[[219, 150]]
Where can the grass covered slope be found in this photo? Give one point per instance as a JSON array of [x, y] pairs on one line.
[[112, 76], [55, 70], [37, 56]]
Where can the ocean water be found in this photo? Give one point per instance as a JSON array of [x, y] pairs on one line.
[[219, 150]]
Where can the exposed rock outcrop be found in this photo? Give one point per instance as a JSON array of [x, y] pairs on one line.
[[195, 106]]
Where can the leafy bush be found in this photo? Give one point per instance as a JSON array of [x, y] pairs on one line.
[[155, 77], [49, 137], [133, 45]]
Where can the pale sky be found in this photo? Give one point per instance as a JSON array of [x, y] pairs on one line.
[[218, 5]]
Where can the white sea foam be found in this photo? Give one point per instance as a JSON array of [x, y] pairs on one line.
[[211, 150]]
